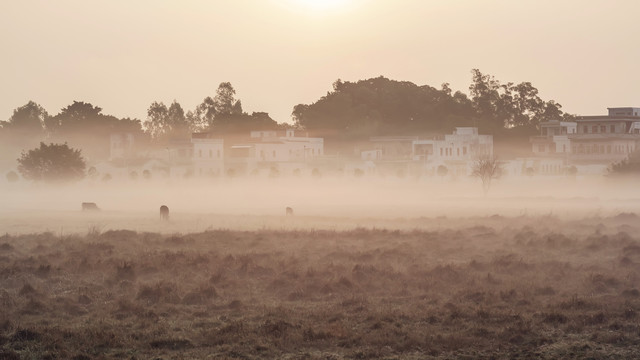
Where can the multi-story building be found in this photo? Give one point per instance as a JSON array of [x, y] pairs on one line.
[[605, 139], [208, 154], [455, 151], [285, 151], [590, 140], [554, 138]]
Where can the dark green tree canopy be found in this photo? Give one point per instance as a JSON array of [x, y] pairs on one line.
[[85, 126], [380, 106], [52, 163], [27, 120], [507, 106]]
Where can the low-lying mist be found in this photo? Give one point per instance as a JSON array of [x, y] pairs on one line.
[[328, 202]]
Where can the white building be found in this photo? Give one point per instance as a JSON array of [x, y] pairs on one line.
[[455, 151], [208, 154], [284, 151], [606, 139], [554, 138], [590, 140]]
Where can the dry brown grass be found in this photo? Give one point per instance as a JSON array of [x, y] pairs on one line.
[[472, 288]]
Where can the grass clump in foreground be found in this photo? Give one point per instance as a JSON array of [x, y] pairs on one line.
[[481, 287]]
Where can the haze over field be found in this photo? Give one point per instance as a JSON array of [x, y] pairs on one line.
[[328, 203]]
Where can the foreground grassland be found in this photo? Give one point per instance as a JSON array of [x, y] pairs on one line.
[[498, 287]]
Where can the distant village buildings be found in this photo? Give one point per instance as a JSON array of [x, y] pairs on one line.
[[207, 155], [590, 144]]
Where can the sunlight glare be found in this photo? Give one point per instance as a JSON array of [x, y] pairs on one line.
[[319, 6]]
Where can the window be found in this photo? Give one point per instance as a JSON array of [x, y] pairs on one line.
[[612, 128], [218, 154], [440, 151], [541, 148], [464, 150], [603, 129], [200, 153], [585, 129], [274, 154], [210, 153], [608, 149], [458, 151], [594, 129]]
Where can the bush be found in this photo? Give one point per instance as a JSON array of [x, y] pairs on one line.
[[53, 162]]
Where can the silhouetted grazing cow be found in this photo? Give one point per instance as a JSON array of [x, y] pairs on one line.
[[89, 207], [289, 211], [164, 212]]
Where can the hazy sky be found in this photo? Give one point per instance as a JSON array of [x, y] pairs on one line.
[[122, 55]]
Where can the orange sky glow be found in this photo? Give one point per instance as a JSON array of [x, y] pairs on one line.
[[123, 55]]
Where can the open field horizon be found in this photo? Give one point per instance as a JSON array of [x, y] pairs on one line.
[[328, 203]]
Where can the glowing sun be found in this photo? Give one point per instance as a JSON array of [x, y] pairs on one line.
[[320, 6]]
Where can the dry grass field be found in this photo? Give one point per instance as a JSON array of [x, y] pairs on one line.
[[477, 287]]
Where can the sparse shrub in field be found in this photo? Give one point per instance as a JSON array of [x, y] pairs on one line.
[[6, 301], [25, 335], [554, 318], [235, 305], [125, 272], [121, 235], [200, 296], [276, 329], [34, 307], [12, 176], [27, 290], [92, 172], [160, 292], [631, 293], [545, 291], [43, 270]]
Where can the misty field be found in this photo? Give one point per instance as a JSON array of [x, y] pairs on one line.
[[475, 287]]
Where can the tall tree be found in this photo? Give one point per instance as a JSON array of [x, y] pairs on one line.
[[204, 115], [76, 118], [28, 120], [225, 101], [157, 123]]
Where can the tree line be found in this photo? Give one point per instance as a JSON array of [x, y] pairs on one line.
[[351, 111], [380, 106]]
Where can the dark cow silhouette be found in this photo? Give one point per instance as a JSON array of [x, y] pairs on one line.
[[164, 212], [289, 211], [89, 206]]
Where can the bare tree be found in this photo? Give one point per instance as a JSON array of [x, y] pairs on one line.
[[486, 169]]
